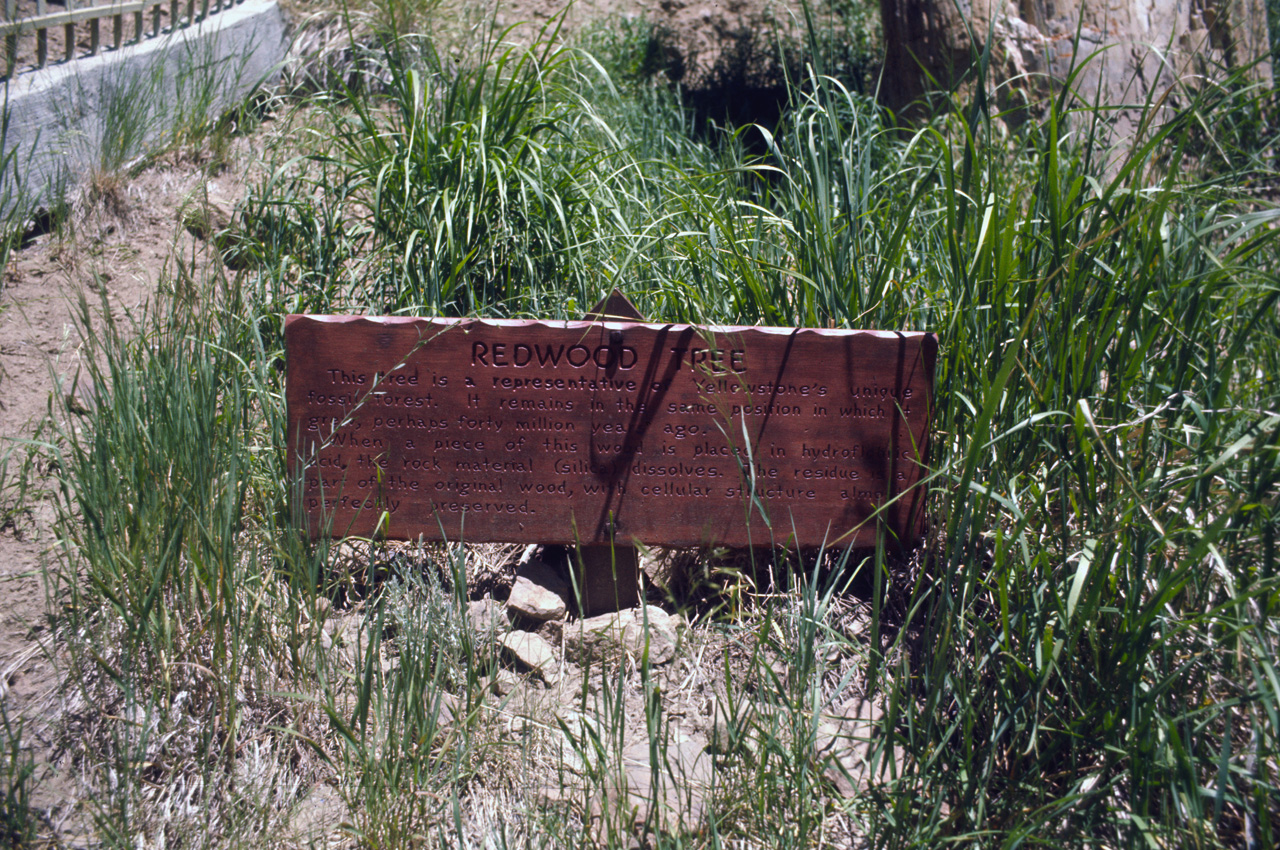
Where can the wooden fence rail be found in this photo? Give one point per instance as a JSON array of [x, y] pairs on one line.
[[15, 26]]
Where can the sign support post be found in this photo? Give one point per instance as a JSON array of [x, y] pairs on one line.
[[607, 576]]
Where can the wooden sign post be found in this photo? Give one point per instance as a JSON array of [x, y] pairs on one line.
[[599, 432], [608, 576]]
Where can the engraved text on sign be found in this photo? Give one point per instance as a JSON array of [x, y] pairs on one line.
[[551, 432]]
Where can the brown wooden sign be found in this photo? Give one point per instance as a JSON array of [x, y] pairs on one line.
[[566, 432]]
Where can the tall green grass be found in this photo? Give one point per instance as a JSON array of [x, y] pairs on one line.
[[467, 200], [186, 591], [1107, 490], [15, 200]]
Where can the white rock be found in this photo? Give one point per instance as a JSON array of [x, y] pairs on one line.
[[844, 746], [447, 706], [684, 778], [504, 682], [609, 636], [531, 652], [486, 616], [538, 593]]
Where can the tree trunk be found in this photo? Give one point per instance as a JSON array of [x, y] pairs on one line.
[[1146, 48]]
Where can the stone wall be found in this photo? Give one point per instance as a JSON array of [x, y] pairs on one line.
[[58, 115]]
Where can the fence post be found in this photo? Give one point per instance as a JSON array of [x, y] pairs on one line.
[[11, 40], [42, 37], [117, 22], [70, 33]]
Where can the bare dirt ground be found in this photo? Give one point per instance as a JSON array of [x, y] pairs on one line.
[[112, 252]]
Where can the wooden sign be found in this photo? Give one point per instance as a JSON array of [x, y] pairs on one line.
[[576, 432]]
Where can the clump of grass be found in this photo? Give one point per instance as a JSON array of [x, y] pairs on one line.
[[175, 535], [302, 242], [186, 100], [417, 738], [19, 823], [1043, 681], [470, 195], [15, 200]]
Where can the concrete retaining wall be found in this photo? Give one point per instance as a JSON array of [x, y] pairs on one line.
[[97, 112]]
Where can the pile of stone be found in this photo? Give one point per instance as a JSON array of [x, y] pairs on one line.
[[543, 643], [537, 631]]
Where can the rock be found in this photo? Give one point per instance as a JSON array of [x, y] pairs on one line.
[[337, 628], [211, 223], [1145, 52], [670, 570], [485, 616], [323, 608], [726, 736], [504, 682], [844, 744], [205, 220], [538, 594], [531, 652], [580, 727], [610, 636], [324, 625], [833, 753], [683, 776], [578, 731], [447, 706], [552, 631]]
